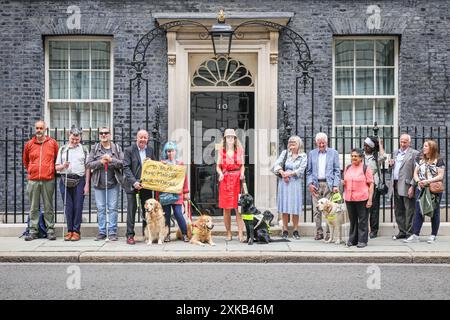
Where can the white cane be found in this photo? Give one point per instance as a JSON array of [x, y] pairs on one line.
[[65, 195], [106, 201]]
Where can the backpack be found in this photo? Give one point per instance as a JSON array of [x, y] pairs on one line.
[[364, 168], [42, 228]]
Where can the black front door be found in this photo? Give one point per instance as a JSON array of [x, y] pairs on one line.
[[211, 111]]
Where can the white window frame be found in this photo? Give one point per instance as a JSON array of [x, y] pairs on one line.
[[47, 82], [374, 97]]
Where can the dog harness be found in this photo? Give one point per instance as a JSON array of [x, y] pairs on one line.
[[247, 216], [331, 217], [336, 198]]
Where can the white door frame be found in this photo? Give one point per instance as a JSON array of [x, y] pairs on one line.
[[266, 91]]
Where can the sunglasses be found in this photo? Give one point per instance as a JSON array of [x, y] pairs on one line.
[[104, 133]]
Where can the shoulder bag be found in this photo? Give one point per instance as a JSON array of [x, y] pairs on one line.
[[283, 165], [436, 186]]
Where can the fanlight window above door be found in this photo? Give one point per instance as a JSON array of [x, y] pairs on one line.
[[222, 72]]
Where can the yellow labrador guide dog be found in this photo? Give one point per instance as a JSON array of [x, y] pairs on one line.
[[334, 214]]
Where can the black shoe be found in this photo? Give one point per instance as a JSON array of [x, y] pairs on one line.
[[349, 244], [373, 235], [113, 237], [30, 237], [100, 236], [185, 238], [361, 245], [285, 235], [327, 236], [296, 235], [399, 236], [319, 236], [51, 236]]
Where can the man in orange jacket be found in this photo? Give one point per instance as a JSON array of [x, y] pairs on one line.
[[39, 157]]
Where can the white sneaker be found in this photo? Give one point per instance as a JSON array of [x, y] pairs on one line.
[[431, 239], [412, 238]]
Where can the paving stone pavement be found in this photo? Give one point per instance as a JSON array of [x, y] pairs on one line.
[[381, 249]]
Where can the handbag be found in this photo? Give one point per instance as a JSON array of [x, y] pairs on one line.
[[166, 198], [436, 186], [70, 180], [382, 187], [283, 165]]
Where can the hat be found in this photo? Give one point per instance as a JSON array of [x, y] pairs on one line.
[[369, 142], [229, 132], [75, 131]]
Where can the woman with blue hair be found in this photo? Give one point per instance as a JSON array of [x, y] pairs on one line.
[[169, 157]]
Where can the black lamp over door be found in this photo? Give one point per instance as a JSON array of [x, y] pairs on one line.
[[221, 34]]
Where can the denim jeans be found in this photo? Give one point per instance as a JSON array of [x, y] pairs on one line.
[[100, 200], [178, 213], [418, 218]]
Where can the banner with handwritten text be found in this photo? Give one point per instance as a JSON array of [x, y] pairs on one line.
[[162, 177]]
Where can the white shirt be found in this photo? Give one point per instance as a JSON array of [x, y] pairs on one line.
[[142, 153], [76, 160], [322, 165], [398, 163]]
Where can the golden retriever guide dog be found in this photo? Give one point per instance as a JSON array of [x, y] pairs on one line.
[[156, 228], [334, 215], [201, 231]]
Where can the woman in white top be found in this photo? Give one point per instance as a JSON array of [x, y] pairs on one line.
[[430, 168]]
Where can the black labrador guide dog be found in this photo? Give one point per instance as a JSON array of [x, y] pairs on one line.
[[257, 224]]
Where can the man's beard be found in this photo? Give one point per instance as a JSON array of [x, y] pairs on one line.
[[39, 134]]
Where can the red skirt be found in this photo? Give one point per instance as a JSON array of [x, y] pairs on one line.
[[229, 189]]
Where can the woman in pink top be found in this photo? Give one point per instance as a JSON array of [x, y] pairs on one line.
[[358, 191]]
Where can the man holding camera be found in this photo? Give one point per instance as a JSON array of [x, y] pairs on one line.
[[374, 157]]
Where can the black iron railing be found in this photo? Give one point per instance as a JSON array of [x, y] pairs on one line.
[[14, 200]]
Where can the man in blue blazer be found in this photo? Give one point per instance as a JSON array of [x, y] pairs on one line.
[[323, 176], [134, 156]]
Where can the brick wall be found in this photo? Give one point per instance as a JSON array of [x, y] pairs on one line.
[[424, 62]]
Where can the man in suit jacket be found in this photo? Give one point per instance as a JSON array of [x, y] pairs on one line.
[[132, 168], [402, 186], [323, 175]]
